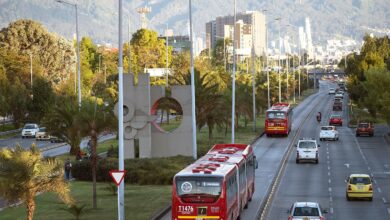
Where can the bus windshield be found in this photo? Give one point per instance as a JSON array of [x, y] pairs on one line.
[[276, 115], [196, 189]]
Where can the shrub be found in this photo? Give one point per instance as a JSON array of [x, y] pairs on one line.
[[143, 171]]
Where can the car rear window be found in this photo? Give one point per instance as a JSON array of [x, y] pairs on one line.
[[308, 145], [336, 116], [306, 211], [326, 128], [363, 125], [360, 180]]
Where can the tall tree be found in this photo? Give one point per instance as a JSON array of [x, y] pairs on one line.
[[93, 119], [148, 51], [24, 174], [42, 99], [60, 121], [55, 55]]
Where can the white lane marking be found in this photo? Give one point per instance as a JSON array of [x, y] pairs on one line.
[[331, 210], [347, 165], [388, 211], [331, 199], [330, 189], [375, 182], [328, 173], [327, 157], [329, 181], [328, 167], [379, 190], [384, 200], [369, 168]]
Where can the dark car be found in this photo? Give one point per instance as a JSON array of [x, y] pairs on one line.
[[365, 128], [337, 106]]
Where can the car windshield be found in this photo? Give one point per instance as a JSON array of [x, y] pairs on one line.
[[207, 186], [307, 144], [276, 115], [306, 211], [29, 127], [326, 128], [363, 125], [360, 180]]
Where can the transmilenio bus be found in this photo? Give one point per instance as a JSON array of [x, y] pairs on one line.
[[278, 119], [217, 186]]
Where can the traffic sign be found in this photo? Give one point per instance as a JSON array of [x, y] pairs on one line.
[[117, 176]]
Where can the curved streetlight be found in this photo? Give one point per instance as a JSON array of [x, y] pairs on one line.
[[78, 48]]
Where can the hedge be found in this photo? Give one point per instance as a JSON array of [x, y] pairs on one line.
[[145, 171]]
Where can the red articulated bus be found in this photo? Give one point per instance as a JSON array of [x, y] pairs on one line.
[[278, 120], [217, 186]]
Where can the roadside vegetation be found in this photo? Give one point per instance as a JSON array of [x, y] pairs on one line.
[[369, 80]]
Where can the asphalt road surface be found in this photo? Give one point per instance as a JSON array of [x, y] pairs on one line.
[[270, 150], [325, 182]]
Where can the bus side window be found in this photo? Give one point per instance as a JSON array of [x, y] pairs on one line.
[[256, 163]]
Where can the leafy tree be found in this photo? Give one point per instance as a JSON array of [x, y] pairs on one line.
[[89, 61], [148, 51], [42, 99], [23, 174], [55, 55], [92, 120], [60, 121]]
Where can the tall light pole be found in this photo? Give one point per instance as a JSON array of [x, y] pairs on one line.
[[234, 74], [166, 54], [129, 38], [194, 147], [31, 70], [253, 82], [78, 49], [121, 188], [266, 55], [280, 51]]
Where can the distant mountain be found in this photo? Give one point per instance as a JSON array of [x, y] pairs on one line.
[[98, 18]]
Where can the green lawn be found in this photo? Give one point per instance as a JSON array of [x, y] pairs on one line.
[[7, 127], [141, 202]]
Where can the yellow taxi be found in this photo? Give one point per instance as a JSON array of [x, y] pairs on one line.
[[359, 186]]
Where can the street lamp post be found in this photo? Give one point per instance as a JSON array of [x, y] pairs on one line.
[[78, 49], [280, 50], [194, 147], [31, 70], [234, 74], [166, 55]]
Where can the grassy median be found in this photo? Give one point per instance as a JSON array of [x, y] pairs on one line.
[[141, 202]]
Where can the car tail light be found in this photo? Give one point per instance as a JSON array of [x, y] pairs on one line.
[[290, 218], [349, 187], [322, 218], [370, 189]]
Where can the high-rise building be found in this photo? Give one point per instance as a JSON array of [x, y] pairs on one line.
[[310, 49], [250, 27]]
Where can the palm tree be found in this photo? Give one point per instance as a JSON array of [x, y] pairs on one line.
[[209, 102], [23, 174], [93, 119], [60, 121]]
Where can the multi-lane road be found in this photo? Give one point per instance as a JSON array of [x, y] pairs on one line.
[[323, 182]]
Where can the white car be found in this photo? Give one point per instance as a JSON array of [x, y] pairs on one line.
[[332, 91], [306, 211], [29, 130], [307, 150], [42, 134], [339, 95], [329, 133]]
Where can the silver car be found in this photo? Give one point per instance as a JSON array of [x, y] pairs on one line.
[[306, 211]]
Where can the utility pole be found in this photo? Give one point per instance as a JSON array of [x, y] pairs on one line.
[[253, 83], [234, 74], [194, 147], [280, 51], [121, 188], [166, 54], [266, 55]]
